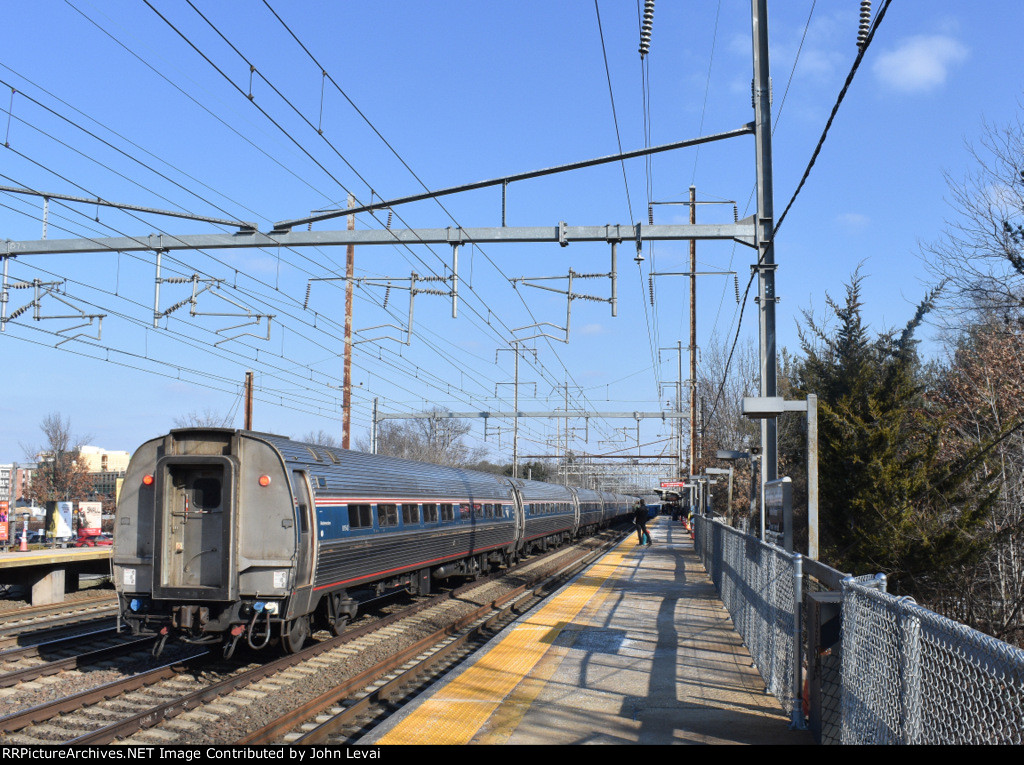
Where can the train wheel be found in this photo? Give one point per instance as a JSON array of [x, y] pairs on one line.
[[338, 625], [295, 633]]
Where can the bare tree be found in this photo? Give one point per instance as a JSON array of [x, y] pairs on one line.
[[321, 438], [980, 257], [981, 254], [61, 476], [208, 418], [721, 384], [439, 439], [983, 390]]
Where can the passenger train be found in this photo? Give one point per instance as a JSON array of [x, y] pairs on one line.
[[229, 535]]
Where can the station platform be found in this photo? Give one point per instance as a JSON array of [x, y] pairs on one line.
[[638, 649], [51, 572]]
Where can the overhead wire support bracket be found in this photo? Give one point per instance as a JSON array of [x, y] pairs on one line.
[[287, 225], [211, 285], [570, 296], [388, 284], [41, 290], [48, 195]]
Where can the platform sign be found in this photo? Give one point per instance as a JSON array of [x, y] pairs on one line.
[[92, 513], [673, 484], [778, 506], [5, 534]]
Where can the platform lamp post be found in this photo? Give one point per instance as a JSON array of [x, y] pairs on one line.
[[728, 455], [771, 407], [721, 471]]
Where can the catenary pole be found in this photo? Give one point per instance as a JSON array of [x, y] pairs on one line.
[[764, 227]]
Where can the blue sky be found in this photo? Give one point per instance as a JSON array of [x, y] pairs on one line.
[[148, 104]]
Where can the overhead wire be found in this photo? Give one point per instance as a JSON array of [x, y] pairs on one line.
[[95, 136], [405, 164]]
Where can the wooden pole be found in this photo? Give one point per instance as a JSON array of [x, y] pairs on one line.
[[346, 404]]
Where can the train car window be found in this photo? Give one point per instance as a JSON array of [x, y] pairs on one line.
[[206, 493], [465, 512], [410, 514], [360, 517], [478, 511], [387, 515], [447, 512], [488, 511], [320, 482], [430, 513]]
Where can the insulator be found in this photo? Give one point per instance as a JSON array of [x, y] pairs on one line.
[[650, 281], [650, 214], [736, 284], [387, 294], [865, 24], [735, 214], [390, 213], [305, 303], [645, 29]]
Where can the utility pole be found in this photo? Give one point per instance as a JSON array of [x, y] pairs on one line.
[[765, 233], [346, 389], [693, 337], [248, 400]]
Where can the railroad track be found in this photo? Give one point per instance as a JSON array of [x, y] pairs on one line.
[[21, 665], [206, 699], [43, 623]]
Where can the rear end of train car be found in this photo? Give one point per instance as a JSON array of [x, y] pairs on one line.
[[209, 543]]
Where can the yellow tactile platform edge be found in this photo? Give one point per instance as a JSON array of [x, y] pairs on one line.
[[460, 709]]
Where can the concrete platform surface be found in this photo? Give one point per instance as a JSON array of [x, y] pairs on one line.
[[636, 650]]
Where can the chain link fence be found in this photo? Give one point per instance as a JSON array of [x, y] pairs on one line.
[[756, 584], [896, 673], [911, 676]]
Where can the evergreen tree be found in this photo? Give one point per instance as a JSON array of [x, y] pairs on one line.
[[888, 501]]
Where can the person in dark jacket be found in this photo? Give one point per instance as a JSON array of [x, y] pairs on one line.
[[640, 521]]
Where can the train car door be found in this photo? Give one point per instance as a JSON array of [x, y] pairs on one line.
[[304, 511], [193, 529]]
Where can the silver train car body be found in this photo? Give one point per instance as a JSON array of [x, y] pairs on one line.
[[229, 535]]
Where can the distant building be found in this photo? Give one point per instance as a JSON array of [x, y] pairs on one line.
[[7, 483], [15, 477], [105, 482], [99, 460]]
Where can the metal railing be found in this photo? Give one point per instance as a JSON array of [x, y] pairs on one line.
[[897, 673]]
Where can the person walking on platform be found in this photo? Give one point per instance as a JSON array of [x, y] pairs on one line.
[[640, 521]]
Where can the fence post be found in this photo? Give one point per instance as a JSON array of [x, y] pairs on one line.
[[797, 720], [910, 671]]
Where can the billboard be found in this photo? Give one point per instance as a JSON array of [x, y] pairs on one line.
[[91, 513], [59, 524]]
